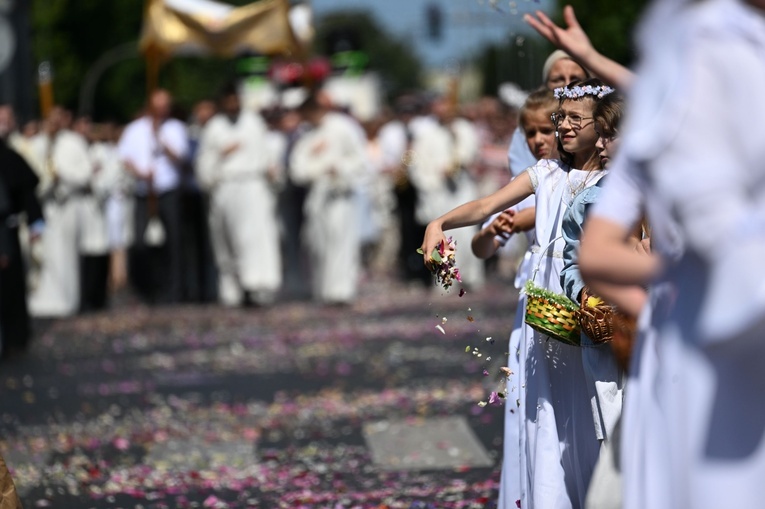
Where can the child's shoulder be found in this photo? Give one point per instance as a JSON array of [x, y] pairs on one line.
[[545, 167], [551, 164]]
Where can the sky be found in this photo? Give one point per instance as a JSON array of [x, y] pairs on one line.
[[468, 24]]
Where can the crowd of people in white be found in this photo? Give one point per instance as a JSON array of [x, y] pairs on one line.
[[246, 206]]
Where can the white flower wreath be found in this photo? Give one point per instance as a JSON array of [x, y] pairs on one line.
[[578, 92]]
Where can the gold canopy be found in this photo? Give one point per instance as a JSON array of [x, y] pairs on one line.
[[205, 27]]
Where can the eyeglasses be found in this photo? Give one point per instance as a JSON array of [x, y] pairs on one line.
[[574, 120]]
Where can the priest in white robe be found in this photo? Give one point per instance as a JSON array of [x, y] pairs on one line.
[[442, 157], [235, 166], [331, 159], [153, 150], [63, 156]]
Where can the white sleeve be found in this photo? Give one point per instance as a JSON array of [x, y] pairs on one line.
[[716, 188], [73, 161], [468, 142], [208, 157], [126, 146], [392, 139], [533, 172], [177, 138], [306, 163]]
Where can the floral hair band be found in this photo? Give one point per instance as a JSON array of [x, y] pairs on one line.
[[578, 92]]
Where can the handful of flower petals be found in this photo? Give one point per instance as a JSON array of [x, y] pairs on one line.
[[443, 263]]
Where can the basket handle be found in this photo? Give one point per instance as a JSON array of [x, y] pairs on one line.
[[541, 252]]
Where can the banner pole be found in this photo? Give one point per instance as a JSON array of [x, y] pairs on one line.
[[45, 86]]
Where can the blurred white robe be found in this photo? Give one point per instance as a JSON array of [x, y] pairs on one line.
[[332, 159], [243, 219], [442, 156], [94, 238], [694, 424], [67, 172]]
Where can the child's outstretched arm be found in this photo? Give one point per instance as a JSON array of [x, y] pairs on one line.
[[475, 211], [487, 241]]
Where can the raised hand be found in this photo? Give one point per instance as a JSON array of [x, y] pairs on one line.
[[572, 39], [503, 224]]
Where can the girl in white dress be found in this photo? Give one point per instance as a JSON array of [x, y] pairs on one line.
[[539, 132], [557, 448]]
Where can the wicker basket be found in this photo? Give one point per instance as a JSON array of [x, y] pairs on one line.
[[625, 331], [552, 314], [596, 321]]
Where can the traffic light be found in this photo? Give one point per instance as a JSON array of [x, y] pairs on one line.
[[435, 20]]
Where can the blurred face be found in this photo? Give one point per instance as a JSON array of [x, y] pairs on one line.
[[289, 121], [57, 119], [607, 145], [230, 105], [160, 104], [7, 121], [31, 128], [204, 111], [563, 72], [83, 126], [540, 133], [108, 131], [443, 111], [576, 128]]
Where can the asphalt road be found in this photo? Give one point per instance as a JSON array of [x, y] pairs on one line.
[[370, 406]]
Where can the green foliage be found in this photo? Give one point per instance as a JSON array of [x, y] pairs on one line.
[[520, 61], [394, 59], [73, 34], [535, 291], [609, 24]]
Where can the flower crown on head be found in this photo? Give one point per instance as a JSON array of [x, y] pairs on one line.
[[578, 92]]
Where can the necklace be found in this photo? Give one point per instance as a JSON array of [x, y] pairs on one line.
[[582, 185]]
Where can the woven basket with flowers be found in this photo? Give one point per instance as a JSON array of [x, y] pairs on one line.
[[552, 314], [596, 318]]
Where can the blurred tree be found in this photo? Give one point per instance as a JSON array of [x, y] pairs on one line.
[[609, 24], [73, 34], [393, 59], [519, 60]]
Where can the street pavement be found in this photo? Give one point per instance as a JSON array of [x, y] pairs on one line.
[[295, 406]]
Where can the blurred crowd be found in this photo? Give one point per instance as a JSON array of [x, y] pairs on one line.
[[234, 205]]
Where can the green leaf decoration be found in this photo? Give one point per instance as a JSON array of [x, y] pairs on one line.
[[419, 251], [533, 290], [436, 256]]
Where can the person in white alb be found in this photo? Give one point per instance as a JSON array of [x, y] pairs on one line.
[[67, 169], [94, 238], [332, 159], [443, 156], [234, 160], [153, 149]]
